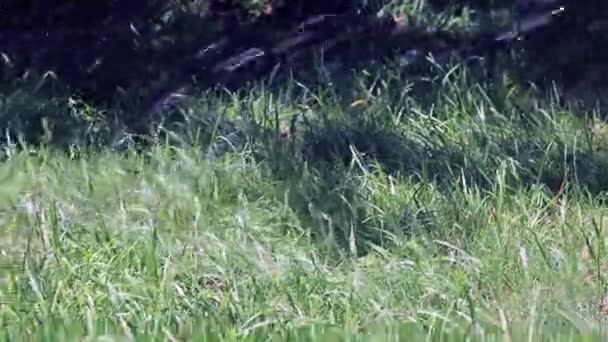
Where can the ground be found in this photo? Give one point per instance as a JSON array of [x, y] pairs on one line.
[[464, 209]]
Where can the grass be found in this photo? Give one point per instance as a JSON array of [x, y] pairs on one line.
[[446, 209]]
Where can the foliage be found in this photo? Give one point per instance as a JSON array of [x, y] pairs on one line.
[[124, 58]]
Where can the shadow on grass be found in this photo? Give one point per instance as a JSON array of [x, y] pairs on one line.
[[340, 172], [341, 186]]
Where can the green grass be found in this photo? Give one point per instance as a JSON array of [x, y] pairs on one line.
[[462, 211]]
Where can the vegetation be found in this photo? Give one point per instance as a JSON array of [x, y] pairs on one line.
[[439, 201]]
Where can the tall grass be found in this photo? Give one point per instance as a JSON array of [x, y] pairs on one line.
[[444, 210]]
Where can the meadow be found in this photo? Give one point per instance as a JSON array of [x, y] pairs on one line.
[[377, 206]]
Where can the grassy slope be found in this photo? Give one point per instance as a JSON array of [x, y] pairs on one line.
[[463, 228]]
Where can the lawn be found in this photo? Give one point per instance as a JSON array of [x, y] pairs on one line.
[[442, 209]]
